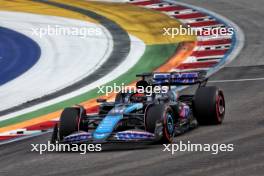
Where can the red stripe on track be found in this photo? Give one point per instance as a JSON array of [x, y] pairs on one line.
[[209, 32], [145, 2], [191, 15], [205, 53], [51, 124], [216, 31], [171, 8], [197, 65], [42, 126], [214, 42], [203, 23], [2, 138]]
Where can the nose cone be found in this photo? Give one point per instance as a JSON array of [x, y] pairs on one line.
[[100, 136], [106, 127]]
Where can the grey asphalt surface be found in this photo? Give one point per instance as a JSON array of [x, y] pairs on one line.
[[243, 125]]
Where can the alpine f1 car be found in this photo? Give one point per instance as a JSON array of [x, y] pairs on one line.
[[140, 117]]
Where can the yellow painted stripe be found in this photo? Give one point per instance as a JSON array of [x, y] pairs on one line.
[[143, 23], [41, 8]]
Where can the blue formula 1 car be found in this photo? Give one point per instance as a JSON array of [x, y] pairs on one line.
[[138, 116]]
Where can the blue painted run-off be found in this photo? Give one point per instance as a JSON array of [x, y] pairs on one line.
[[18, 53]]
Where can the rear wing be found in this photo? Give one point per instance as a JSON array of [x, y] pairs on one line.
[[175, 78]]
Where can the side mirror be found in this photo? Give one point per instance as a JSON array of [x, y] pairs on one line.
[[100, 100]]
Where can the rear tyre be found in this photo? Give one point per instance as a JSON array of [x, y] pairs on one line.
[[160, 115], [209, 105], [69, 121]]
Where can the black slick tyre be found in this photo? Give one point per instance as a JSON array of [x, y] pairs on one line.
[[209, 105]]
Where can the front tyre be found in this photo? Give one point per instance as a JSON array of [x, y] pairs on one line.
[[69, 122], [209, 105]]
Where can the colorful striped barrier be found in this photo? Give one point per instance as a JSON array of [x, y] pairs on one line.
[[209, 51]]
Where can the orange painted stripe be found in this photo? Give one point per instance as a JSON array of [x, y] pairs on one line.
[[181, 54], [31, 121]]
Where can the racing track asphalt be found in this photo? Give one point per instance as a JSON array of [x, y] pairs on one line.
[[121, 48], [243, 125]]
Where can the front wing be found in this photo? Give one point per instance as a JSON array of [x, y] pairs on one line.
[[123, 136]]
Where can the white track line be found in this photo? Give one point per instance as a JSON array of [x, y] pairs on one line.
[[24, 137], [236, 80]]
